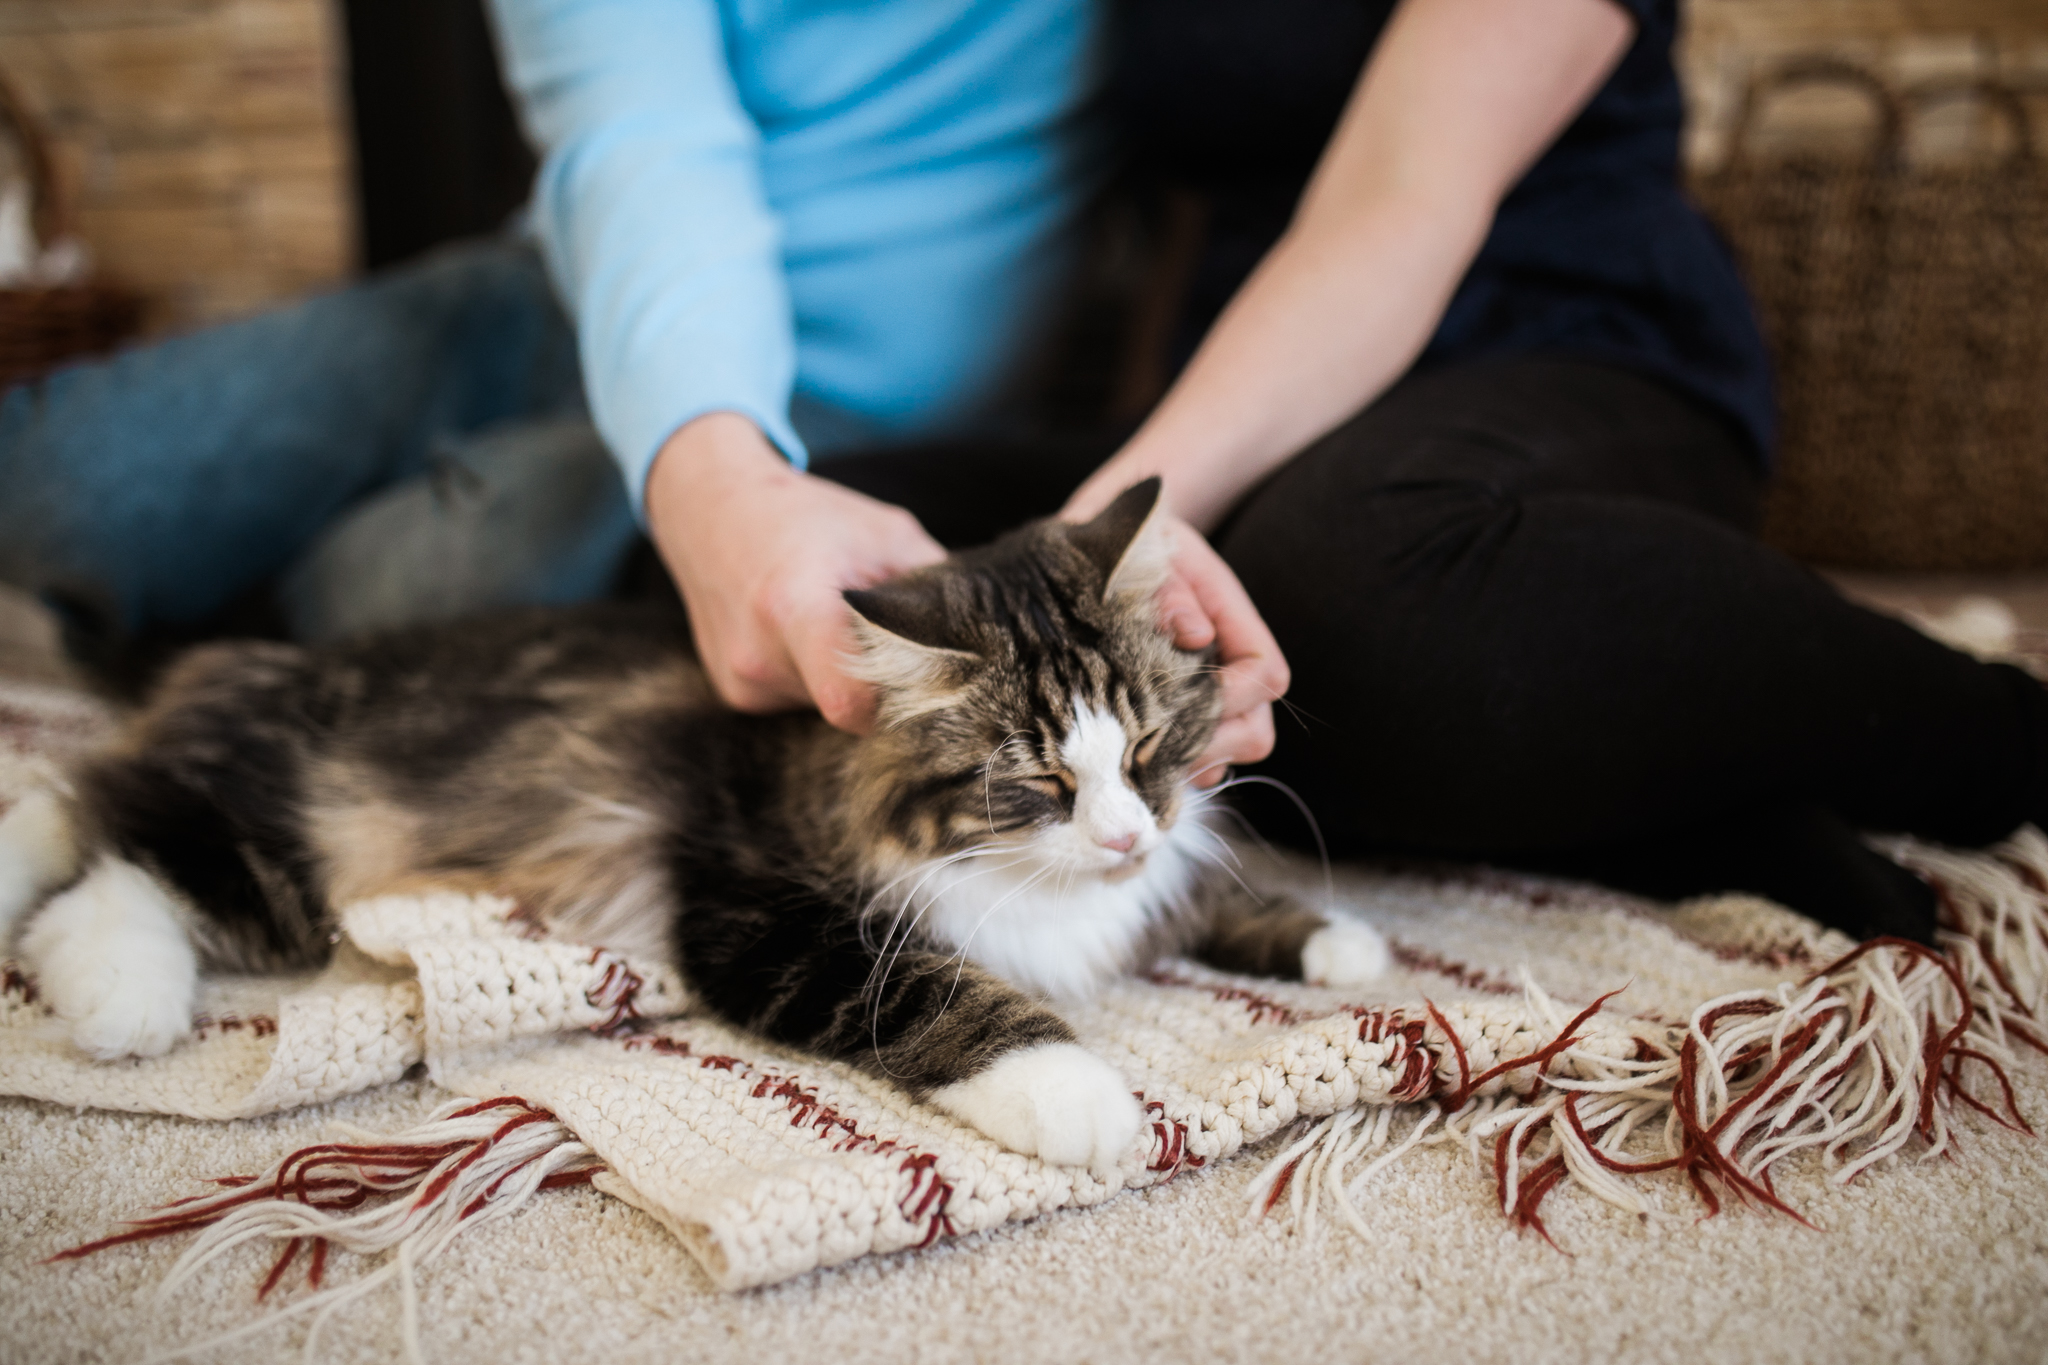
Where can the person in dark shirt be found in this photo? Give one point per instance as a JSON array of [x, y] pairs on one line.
[[1476, 409]]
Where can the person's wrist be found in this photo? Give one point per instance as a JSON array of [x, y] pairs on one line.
[[1189, 489], [705, 464]]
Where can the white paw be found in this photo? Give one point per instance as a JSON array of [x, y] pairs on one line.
[[1058, 1102], [113, 961], [1344, 952], [36, 853]]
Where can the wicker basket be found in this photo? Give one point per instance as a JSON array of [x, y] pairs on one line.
[[40, 328], [1907, 308]]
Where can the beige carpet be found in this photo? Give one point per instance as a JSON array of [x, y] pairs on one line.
[[1942, 1261]]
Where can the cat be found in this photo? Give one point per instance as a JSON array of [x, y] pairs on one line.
[[1019, 828]]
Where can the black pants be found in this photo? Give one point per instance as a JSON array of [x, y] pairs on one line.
[[1529, 624]]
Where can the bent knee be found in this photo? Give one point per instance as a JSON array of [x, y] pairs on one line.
[[1306, 559]]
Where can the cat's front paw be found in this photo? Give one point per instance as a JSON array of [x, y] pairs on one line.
[[1344, 952], [113, 961], [1058, 1102]]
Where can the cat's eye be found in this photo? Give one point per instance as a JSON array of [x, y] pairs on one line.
[[1148, 748], [1057, 785]]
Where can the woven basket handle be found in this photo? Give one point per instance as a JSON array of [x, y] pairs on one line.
[[1888, 145], [52, 219], [1990, 93]]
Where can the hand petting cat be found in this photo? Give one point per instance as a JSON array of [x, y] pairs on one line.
[[761, 553], [1203, 603]]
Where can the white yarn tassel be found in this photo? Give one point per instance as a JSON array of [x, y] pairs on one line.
[[469, 1164], [1856, 1062]]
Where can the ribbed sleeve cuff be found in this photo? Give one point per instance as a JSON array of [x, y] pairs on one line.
[[636, 437]]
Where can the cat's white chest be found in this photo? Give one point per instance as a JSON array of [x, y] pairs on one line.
[[1054, 932]]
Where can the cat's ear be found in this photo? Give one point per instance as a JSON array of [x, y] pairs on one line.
[[911, 610], [1128, 542], [910, 645]]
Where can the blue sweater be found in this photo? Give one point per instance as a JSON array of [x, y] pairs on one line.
[[845, 221]]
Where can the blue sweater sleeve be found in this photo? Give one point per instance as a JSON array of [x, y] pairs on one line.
[[650, 208]]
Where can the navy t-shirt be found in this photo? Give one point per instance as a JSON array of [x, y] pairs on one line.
[[1595, 253]]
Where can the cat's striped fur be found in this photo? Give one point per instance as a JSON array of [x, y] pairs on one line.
[[1013, 831]]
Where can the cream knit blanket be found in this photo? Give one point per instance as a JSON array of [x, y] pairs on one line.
[[1741, 1036]]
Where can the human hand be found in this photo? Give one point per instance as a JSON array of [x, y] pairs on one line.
[[761, 553], [1202, 603]]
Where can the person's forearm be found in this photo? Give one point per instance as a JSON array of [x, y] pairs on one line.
[[1338, 309], [651, 210], [703, 464], [1459, 98]]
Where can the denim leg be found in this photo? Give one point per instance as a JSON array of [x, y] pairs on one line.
[[527, 513], [150, 489]]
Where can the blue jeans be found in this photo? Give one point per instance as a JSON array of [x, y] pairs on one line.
[[407, 449]]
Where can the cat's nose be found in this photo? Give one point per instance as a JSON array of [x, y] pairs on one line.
[[1123, 843]]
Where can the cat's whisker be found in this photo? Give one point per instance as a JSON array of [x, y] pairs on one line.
[[927, 905], [1249, 831], [1201, 800], [878, 975], [1221, 843], [910, 898], [880, 951], [870, 912], [1215, 860], [1016, 891], [908, 903], [938, 864], [959, 955], [988, 768], [1301, 715], [1314, 827], [930, 870]]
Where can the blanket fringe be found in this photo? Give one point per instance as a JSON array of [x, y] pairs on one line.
[[1863, 1059], [470, 1163], [1859, 1062]]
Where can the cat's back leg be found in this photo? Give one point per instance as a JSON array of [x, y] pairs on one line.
[[38, 854], [208, 794], [186, 837], [112, 957]]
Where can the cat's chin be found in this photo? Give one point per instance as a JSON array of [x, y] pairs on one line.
[[1125, 870]]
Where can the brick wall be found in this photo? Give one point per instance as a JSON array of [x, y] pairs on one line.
[[202, 142]]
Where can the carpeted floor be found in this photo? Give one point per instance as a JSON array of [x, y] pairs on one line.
[[1938, 1261], [1943, 1262]]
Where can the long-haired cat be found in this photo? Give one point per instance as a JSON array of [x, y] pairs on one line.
[[1016, 831]]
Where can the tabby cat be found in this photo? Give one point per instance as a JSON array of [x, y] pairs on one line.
[[1019, 828]]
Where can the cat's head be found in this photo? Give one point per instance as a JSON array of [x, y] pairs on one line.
[[1031, 697]]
